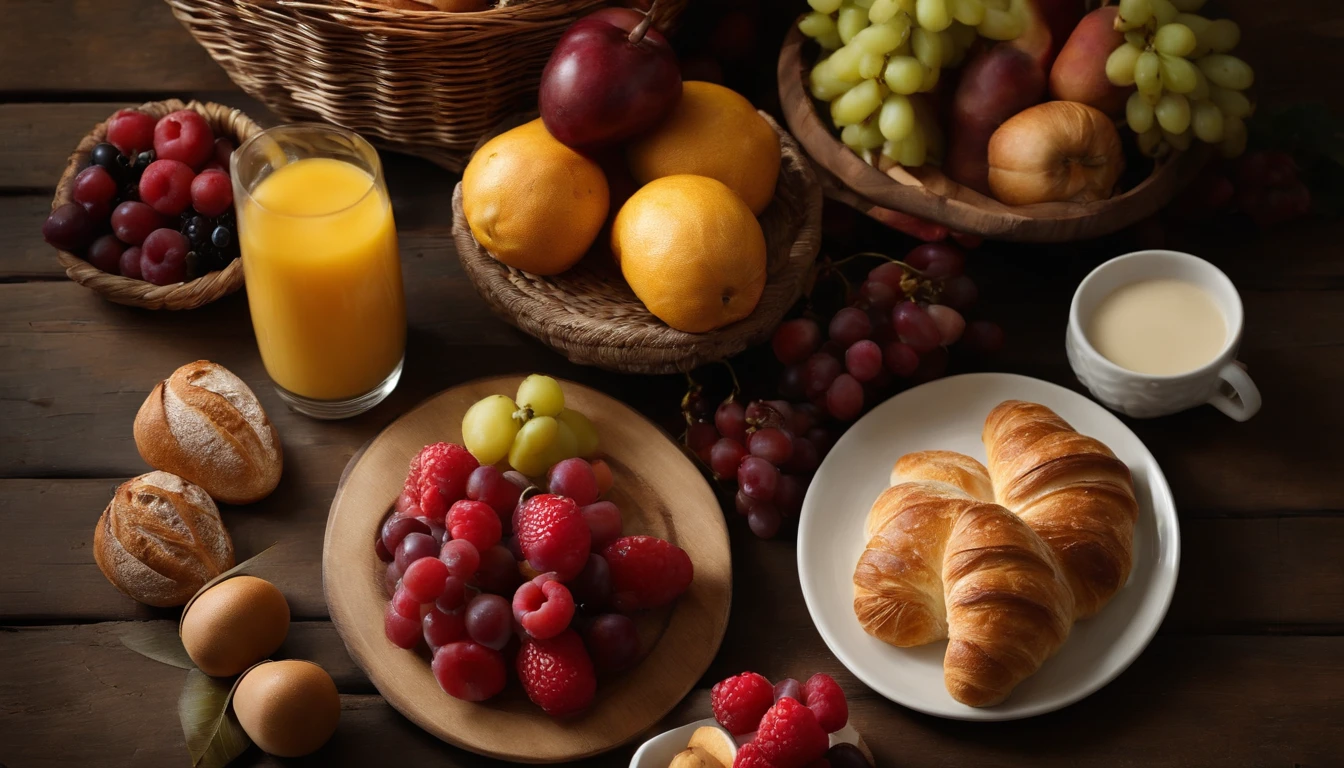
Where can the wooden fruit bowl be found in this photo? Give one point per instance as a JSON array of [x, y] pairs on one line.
[[590, 315], [224, 121], [925, 192], [658, 491]]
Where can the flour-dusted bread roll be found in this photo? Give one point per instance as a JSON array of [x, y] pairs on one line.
[[160, 540], [204, 424]]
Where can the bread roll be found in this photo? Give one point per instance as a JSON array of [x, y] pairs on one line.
[[160, 540], [205, 425]]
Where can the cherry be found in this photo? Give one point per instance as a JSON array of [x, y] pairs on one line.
[[184, 136]]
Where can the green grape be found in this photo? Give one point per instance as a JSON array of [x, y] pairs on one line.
[[913, 150], [1178, 75], [865, 135], [542, 394], [821, 28], [1207, 122], [1164, 12], [881, 39], [930, 80], [1231, 103], [927, 126], [870, 66], [1234, 136], [882, 11], [1138, 39], [852, 21], [1179, 141], [1173, 113], [864, 4], [1201, 90], [1174, 40], [825, 85], [488, 428], [825, 6], [903, 74], [528, 453], [584, 431], [565, 446], [1138, 113], [897, 118], [968, 12], [1227, 71], [1003, 24], [928, 47], [907, 7], [1199, 25], [857, 103], [1120, 65], [1222, 35], [1189, 6], [1134, 13], [933, 15], [844, 64], [1150, 141], [1148, 74]]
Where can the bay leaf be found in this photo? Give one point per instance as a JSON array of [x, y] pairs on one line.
[[239, 569], [214, 737], [156, 640]]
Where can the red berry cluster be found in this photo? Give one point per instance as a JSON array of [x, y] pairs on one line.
[[479, 573], [155, 203], [1265, 186], [893, 330], [787, 724]]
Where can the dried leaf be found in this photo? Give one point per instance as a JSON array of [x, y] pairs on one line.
[[239, 569], [156, 640], [214, 737]]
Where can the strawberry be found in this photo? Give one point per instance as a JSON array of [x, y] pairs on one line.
[[827, 702], [790, 736], [646, 572], [557, 673], [553, 535], [741, 701]]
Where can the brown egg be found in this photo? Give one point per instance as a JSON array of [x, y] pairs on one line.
[[289, 708], [235, 624]]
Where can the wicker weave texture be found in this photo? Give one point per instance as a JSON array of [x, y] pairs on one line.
[[590, 315], [224, 121], [427, 83]]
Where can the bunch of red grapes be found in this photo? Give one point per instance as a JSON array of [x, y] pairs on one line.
[[894, 330]]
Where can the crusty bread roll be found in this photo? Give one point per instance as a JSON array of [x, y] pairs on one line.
[[205, 425], [160, 540]]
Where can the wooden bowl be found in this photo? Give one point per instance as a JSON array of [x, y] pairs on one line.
[[590, 315], [659, 493], [925, 192], [224, 121]]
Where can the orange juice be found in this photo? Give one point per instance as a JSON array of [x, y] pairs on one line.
[[323, 278]]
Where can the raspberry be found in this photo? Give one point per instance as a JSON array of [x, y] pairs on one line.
[[166, 186], [131, 131], [553, 535], [543, 609], [163, 257], [749, 756], [469, 671], [475, 522], [184, 136], [557, 674], [827, 702], [647, 572], [444, 469], [740, 702], [790, 736]]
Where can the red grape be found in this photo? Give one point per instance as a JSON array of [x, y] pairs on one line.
[[804, 458], [461, 557], [770, 444], [454, 595], [789, 496], [764, 520], [613, 642], [223, 151], [731, 421], [105, 254], [863, 360], [743, 503], [211, 193], [782, 409], [901, 358], [131, 131], [185, 137], [822, 439], [95, 189], [805, 416], [132, 222], [983, 337], [441, 628], [844, 399], [404, 632], [878, 294], [469, 671], [404, 602], [724, 457], [592, 587], [415, 546], [700, 437], [498, 572], [818, 373], [166, 186], [602, 471], [915, 327], [574, 478], [489, 621], [889, 274], [949, 321], [938, 261], [604, 523], [960, 292], [791, 382], [757, 478], [130, 263], [424, 579], [486, 484], [850, 325], [163, 257], [69, 227], [931, 366], [795, 340], [762, 413]]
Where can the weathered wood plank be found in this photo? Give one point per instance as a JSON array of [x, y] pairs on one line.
[[74, 695]]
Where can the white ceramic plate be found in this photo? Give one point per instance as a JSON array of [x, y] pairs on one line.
[[949, 414]]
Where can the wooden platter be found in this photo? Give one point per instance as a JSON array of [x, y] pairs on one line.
[[925, 192], [659, 491]]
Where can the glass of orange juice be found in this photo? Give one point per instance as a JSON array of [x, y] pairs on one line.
[[322, 269]]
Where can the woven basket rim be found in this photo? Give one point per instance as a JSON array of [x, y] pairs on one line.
[[139, 293]]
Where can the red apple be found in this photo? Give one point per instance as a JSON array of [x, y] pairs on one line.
[[611, 76], [994, 86]]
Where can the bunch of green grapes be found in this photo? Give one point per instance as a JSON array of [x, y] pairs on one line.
[[1188, 85], [533, 430], [878, 55]]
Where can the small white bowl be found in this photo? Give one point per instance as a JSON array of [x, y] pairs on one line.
[[659, 751]]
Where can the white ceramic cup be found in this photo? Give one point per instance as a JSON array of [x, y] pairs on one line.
[[1221, 382]]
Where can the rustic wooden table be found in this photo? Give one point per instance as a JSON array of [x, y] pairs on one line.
[[1247, 670]]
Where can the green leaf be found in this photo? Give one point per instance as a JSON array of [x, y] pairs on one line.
[[158, 641], [241, 568], [214, 737]]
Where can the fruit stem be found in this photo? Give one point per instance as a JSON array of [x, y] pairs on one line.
[[737, 386], [876, 255], [693, 389], [529, 492], [642, 27]]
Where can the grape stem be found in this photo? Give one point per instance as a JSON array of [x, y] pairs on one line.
[[693, 390], [529, 492], [737, 386], [642, 28], [877, 255]]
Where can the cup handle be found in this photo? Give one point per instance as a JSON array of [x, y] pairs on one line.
[[1247, 402]]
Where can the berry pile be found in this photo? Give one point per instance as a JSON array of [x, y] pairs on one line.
[[893, 330], [155, 203], [787, 724], [481, 572]]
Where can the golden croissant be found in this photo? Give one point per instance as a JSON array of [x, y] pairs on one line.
[[1000, 562]]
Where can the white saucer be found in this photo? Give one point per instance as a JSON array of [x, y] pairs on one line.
[[949, 414]]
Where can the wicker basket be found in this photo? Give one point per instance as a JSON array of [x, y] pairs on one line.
[[429, 83], [590, 315], [224, 121]]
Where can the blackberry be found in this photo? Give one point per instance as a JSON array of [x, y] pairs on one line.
[[214, 242]]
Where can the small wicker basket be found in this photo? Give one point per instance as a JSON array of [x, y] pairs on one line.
[[428, 83], [224, 121], [590, 315]]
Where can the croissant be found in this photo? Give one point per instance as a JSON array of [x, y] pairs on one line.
[[944, 561]]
